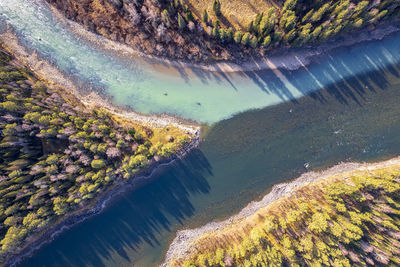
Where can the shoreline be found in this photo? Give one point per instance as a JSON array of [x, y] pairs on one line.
[[184, 242], [57, 81], [60, 82], [98, 204], [279, 58]]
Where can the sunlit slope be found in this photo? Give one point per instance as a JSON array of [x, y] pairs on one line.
[[236, 13]]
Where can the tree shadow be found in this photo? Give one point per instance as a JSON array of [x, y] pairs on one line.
[[132, 219], [338, 70]]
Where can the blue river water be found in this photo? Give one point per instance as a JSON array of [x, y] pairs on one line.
[[349, 111], [203, 96]]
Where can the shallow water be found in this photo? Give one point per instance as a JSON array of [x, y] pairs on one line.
[[240, 159], [140, 85]]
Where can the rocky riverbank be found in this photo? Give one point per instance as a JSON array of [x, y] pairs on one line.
[[184, 243]]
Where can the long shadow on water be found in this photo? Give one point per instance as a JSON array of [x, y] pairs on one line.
[[137, 216], [338, 64]]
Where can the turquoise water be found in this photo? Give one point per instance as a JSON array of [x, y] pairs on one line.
[[350, 112], [140, 85], [240, 159]]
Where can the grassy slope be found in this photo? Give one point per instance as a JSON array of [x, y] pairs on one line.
[[236, 13], [350, 219]]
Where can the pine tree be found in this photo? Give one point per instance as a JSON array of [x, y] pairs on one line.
[[217, 8], [246, 39], [267, 41], [181, 22], [215, 33], [253, 42], [237, 37], [205, 16]]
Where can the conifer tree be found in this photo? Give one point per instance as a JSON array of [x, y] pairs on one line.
[[181, 22], [205, 16], [217, 8], [237, 37]]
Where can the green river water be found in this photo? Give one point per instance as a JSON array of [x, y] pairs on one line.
[[263, 129], [239, 160]]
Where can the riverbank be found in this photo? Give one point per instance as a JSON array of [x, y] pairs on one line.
[[185, 243], [279, 58], [97, 204], [174, 32], [88, 96]]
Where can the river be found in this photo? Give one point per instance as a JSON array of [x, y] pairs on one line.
[[192, 93], [349, 111], [239, 161]]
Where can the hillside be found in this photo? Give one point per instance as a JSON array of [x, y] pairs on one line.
[[210, 30], [349, 218]]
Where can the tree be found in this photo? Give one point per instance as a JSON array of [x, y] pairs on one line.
[[205, 16], [246, 39], [181, 22], [250, 28], [165, 17], [60, 206], [217, 8], [267, 23], [320, 13], [237, 37], [98, 163], [289, 5], [307, 16], [358, 23], [253, 42], [137, 161], [10, 106], [215, 33], [267, 41]]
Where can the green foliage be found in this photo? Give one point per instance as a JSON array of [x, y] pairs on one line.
[[205, 17], [97, 163], [320, 13], [246, 39], [55, 155], [289, 5], [217, 7], [181, 22], [253, 42], [9, 106], [237, 37], [334, 222]]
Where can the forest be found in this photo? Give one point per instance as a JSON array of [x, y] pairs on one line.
[[348, 219], [204, 30], [56, 154]]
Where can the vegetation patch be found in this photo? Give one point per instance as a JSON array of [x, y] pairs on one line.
[[56, 155], [219, 29], [350, 219]]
